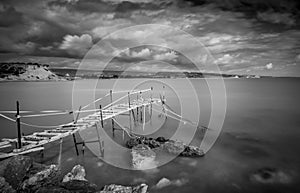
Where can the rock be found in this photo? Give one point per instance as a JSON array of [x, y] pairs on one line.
[[270, 175], [174, 147], [48, 176], [5, 187], [164, 182], [77, 173], [151, 143], [3, 165], [162, 139], [143, 157], [79, 186], [132, 142], [171, 146], [142, 188], [191, 151], [52, 189], [16, 170]]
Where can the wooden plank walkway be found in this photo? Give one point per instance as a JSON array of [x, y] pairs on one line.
[[36, 141]]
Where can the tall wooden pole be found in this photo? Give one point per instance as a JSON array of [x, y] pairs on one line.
[[151, 102], [112, 120], [19, 126], [129, 112], [101, 117]]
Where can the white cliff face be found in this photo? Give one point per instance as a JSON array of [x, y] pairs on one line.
[[30, 73]]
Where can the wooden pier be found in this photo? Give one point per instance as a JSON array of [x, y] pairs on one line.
[[36, 141]]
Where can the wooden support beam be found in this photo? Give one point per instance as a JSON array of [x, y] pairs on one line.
[[101, 116], [75, 143], [19, 126], [112, 120]]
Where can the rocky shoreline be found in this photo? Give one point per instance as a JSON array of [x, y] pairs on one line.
[[167, 145], [22, 174]]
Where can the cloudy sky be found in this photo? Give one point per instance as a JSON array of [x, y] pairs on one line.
[[242, 36]]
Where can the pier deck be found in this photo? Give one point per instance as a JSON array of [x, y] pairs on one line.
[[36, 141]]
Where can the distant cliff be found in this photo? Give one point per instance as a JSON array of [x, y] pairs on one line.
[[19, 71]]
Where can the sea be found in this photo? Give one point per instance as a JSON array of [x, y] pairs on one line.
[[253, 131]]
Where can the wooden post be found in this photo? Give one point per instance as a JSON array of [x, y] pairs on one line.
[[101, 117], [75, 142], [99, 139], [129, 112], [19, 126], [151, 103], [112, 120], [137, 109], [77, 116]]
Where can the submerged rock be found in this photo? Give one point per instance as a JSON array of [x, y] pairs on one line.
[[270, 175], [77, 173], [143, 157], [164, 182], [113, 188]]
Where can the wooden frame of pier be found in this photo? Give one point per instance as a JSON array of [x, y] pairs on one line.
[[36, 141]]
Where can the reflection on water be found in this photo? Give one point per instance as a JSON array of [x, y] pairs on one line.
[[257, 151]]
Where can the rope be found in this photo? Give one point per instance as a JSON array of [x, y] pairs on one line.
[[8, 118], [191, 123], [47, 114], [31, 125], [99, 99], [42, 126]]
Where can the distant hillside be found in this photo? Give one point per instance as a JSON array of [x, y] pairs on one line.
[[26, 71]]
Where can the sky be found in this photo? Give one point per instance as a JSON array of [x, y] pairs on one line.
[[241, 36]]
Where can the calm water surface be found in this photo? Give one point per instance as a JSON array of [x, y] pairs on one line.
[[261, 129]]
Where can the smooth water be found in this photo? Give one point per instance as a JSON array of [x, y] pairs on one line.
[[261, 129]]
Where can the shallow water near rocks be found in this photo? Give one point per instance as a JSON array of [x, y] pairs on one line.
[[261, 130]]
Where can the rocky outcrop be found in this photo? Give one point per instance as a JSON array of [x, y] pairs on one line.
[[113, 188], [16, 170], [170, 146], [47, 177], [22, 174], [143, 157]]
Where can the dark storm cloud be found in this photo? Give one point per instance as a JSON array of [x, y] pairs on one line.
[[241, 34], [10, 17]]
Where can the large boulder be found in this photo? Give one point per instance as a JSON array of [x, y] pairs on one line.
[[174, 147], [77, 173], [79, 186], [49, 176], [5, 187], [113, 188], [16, 170], [143, 157], [192, 151]]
